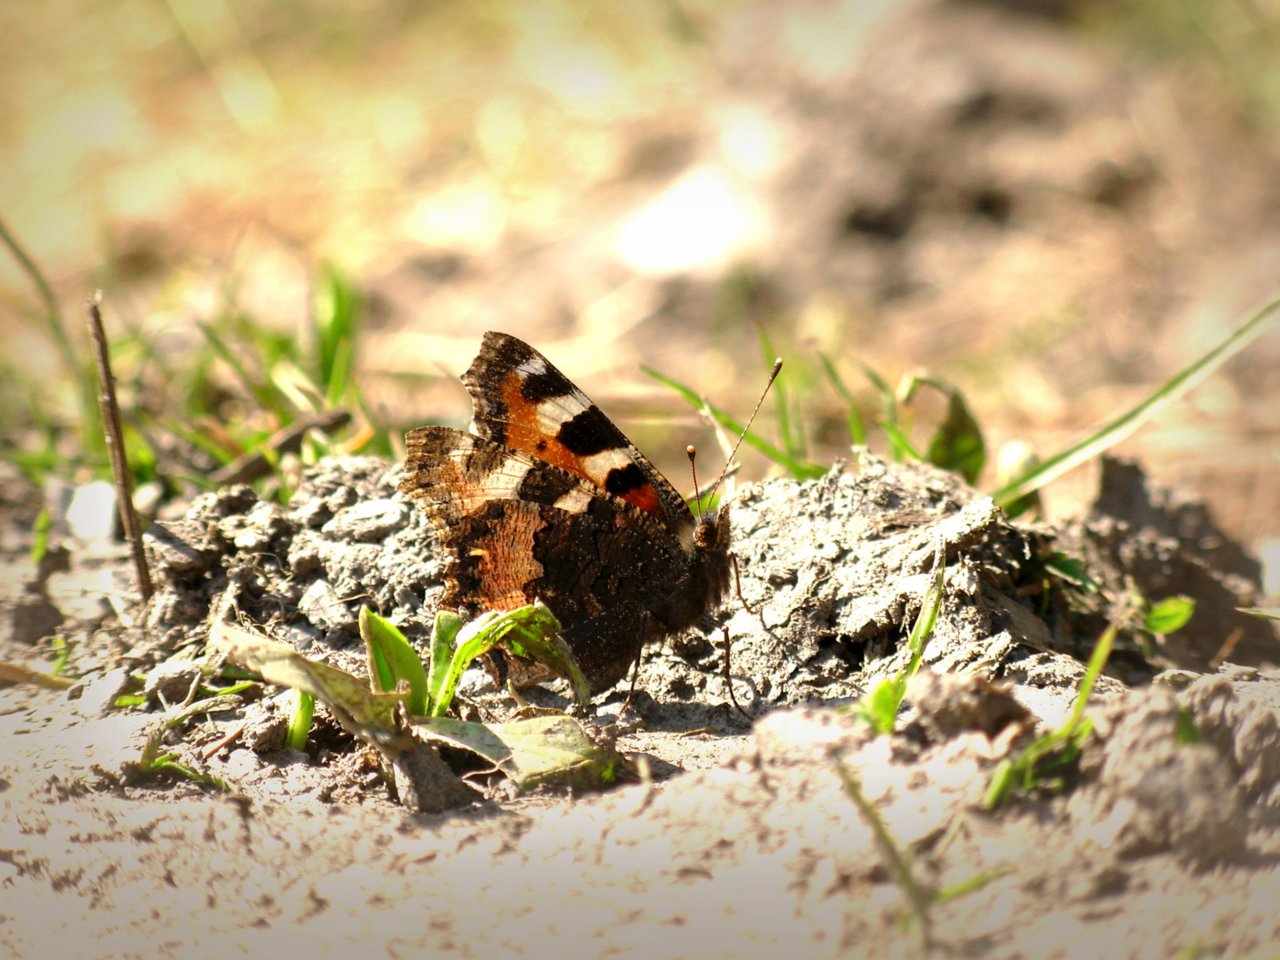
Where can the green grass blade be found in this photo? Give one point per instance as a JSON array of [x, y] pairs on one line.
[[55, 327], [800, 469], [880, 706], [886, 392], [781, 398], [919, 896], [335, 322], [900, 447], [300, 720], [261, 392], [853, 418], [1058, 747], [1267, 613], [1097, 660], [1128, 422]]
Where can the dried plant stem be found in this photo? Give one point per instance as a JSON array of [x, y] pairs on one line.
[[114, 432]]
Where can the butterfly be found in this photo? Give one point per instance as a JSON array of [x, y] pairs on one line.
[[545, 499]]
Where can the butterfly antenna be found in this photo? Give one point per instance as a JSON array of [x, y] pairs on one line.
[[692, 453], [773, 375]]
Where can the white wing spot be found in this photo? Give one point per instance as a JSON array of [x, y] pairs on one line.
[[599, 464], [533, 367], [575, 501]]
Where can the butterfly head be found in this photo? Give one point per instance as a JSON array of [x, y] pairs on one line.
[[710, 551]]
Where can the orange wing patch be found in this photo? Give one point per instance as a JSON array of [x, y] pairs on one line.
[[526, 432]]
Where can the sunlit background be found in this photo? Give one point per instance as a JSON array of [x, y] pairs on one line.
[[1053, 206]]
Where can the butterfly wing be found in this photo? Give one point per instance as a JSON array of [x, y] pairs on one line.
[[523, 402], [517, 529]]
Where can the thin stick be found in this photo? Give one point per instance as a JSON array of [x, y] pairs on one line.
[[114, 432]]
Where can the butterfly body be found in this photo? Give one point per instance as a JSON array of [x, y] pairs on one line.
[[547, 500]]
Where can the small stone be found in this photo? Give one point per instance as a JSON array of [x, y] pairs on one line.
[[32, 617], [96, 697], [91, 515], [369, 522]]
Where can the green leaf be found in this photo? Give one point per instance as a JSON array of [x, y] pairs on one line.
[[927, 618], [252, 383], [542, 750], [444, 637], [880, 707], [1057, 749], [153, 761], [957, 445], [900, 448], [531, 632], [392, 659], [40, 544], [1072, 570], [537, 637], [1168, 615], [335, 319], [1015, 460]]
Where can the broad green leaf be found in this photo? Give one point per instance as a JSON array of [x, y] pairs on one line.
[[537, 637], [1168, 615], [392, 659], [444, 637], [957, 445], [531, 632]]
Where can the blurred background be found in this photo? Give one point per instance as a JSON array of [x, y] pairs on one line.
[[1053, 206]]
